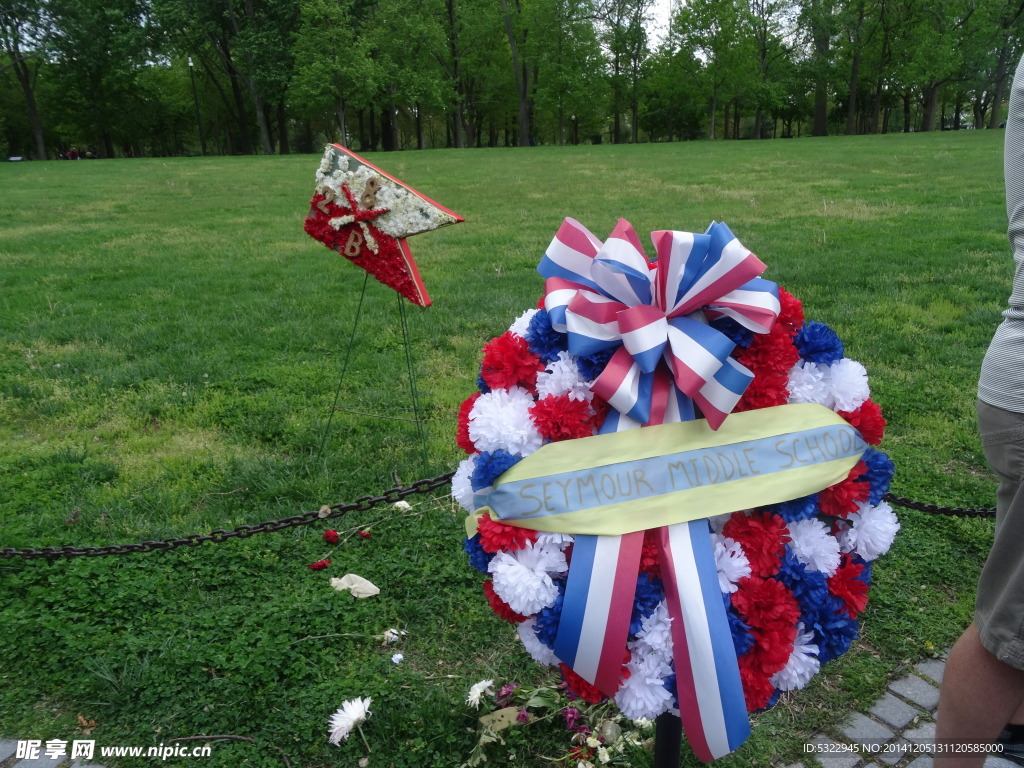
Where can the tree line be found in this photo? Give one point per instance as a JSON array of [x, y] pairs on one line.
[[108, 78]]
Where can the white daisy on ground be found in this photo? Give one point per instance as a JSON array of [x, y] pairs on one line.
[[351, 714]]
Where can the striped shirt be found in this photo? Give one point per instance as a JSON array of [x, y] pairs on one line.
[[1002, 372]]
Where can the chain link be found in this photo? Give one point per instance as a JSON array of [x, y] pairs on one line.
[[362, 504]]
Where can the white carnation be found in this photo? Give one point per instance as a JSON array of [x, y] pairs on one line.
[[808, 383], [522, 323], [540, 652], [643, 694], [869, 531], [501, 419], [803, 662], [655, 632], [548, 539], [731, 561], [462, 490], [522, 580], [351, 714], [814, 546], [849, 382], [562, 375]]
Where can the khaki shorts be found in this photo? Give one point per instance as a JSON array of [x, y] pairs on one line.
[[999, 611]]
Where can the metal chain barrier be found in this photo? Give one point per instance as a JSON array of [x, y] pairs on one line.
[[935, 509], [361, 504]]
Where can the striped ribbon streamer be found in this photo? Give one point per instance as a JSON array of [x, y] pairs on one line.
[[608, 489]]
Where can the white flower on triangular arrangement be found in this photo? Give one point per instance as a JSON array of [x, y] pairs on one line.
[[351, 714]]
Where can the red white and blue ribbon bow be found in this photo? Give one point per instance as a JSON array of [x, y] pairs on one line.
[[608, 296], [667, 358]]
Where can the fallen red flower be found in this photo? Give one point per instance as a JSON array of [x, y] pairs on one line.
[[331, 536], [319, 565]]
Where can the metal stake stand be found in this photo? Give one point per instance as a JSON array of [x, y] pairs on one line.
[[668, 740], [417, 414]]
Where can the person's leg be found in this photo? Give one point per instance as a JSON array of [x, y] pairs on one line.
[[979, 695]]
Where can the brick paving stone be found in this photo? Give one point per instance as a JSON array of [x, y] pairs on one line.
[[893, 711], [922, 734], [896, 754], [994, 761], [861, 729], [924, 761], [919, 691], [933, 668], [7, 748], [833, 756]]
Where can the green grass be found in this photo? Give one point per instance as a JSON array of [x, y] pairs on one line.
[[171, 343]]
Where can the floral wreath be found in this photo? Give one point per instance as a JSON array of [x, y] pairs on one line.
[[794, 576]]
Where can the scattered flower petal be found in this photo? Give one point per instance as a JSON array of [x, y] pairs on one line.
[[357, 585], [478, 691]]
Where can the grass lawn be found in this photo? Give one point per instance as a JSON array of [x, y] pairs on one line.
[[171, 343]]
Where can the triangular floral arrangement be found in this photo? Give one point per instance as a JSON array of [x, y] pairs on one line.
[[365, 215]]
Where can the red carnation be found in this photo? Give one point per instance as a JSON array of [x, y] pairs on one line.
[[364, 534], [757, 687], [499, 606], [763, 537], [765, 391], [495, 536], [766, 605], [650, 555], [770, 353], [846, 584], [331, 536], [581, 687], [319, 565], [840, 500], [462, 433], [508, 362], [770, 610], [868, 420], [560, 417], [791, 313]]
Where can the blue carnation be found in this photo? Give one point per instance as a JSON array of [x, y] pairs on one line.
[[796, 510], [737, 334], [488, 467], [817, 343], [742, 637], [772, 701], [545, 623], [879, 474], [544, 341], [591, 366], [809, 587], [648, 594], [477, 557], [834, 631], [480, 383]]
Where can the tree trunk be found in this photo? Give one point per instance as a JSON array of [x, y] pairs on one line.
[[714, 109], [24, 76], [283, 147], [521, 72], [906, 112], [931, 107], [997, 97]]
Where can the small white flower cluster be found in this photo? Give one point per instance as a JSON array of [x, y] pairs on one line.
[[407, 214]]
